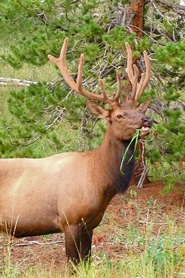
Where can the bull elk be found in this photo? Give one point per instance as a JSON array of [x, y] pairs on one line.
[[69, 192]]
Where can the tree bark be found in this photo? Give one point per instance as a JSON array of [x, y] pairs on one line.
[[137, 10], [137, 25]]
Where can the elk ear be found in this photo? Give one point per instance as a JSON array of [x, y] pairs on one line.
[[143, 106], [97, 110]]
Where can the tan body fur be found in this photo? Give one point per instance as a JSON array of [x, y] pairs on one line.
[[41, 196], [37, 195]]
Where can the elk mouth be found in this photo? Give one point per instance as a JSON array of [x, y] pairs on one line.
[[144, 130]]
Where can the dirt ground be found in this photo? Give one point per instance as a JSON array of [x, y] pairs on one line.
[[135, 208]]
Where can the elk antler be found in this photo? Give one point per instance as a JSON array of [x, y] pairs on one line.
[[77, 86], [133, 74]]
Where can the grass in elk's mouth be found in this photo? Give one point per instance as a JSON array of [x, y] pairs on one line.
[[135, 137]]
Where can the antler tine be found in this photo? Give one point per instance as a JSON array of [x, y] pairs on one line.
[[102, 88], [83, 92], [61, 64], [139, 86], [80, 73], [145, 76], [135, 79], [77, 86], [132, 71], [129, 68]]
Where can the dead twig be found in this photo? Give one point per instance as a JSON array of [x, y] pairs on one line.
[[34, 242]]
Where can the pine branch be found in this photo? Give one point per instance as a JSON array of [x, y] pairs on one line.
[[57, 118]]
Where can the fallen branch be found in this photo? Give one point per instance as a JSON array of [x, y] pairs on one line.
[[168, 5], [8, 81], [34, 242]]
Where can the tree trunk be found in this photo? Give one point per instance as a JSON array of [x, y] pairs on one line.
[[137, 10], [137, 25]]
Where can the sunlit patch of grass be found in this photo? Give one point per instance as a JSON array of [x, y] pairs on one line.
[[45, 73], [4, 94]]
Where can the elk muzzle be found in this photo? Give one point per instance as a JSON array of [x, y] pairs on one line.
[[147, 122]]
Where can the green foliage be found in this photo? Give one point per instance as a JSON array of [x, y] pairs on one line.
[[116, 38], [37, 113], [172, 54], [43, 119], [161, 253]]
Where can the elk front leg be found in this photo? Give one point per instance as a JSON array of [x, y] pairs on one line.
[[78, 241], [72, 243], [85, 244]]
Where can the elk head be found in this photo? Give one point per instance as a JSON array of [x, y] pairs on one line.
[[124, 118]]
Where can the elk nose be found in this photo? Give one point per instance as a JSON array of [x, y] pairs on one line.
[[147, 121]]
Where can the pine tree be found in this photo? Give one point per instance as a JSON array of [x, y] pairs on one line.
[[41, 113]]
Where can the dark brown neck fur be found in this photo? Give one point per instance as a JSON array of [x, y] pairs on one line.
[[108, 158]]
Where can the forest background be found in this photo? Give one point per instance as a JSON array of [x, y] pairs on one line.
[[46, 118]]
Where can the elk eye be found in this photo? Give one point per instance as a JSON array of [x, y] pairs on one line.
[[119, 116]]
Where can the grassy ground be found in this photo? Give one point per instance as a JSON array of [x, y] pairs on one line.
[[142, 235], [45, 73]]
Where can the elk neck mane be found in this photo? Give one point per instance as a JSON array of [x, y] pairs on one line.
[[107, 160]]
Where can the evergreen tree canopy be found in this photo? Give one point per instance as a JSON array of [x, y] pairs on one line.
[[48, 118]]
